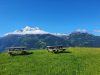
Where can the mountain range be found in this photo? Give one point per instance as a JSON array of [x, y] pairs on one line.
[[36, 38]]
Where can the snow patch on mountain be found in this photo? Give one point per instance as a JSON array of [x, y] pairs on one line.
[[28, 30], [31, 30], [59, 34]]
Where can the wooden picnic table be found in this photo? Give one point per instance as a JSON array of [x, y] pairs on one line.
[[55, 49], [15, 50]]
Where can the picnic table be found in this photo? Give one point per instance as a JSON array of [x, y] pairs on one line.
[[55, 49], [16, 50]]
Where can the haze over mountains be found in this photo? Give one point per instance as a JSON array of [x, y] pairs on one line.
[[36, 38]]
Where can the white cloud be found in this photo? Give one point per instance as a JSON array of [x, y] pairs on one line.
[[97, 31], [81, 30]]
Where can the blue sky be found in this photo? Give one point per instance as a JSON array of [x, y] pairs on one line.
[[62, 16]]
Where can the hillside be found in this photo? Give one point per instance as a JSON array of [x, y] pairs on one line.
[[75, 61], [36, 38], [36, 41], [40, 41], [79, 39]]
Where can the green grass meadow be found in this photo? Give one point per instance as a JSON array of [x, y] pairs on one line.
[[75, 61]]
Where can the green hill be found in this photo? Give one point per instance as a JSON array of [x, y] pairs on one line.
[[75, 61], [40, 41]]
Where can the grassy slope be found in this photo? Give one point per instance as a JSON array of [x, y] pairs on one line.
[[79, 61]]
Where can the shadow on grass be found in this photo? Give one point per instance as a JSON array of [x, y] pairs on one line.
[[21, 54], [63, 52]]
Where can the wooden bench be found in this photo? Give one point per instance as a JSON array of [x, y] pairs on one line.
[[16, 50]]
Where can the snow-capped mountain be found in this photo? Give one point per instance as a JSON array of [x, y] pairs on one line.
[[28, 30], [75, 39], [31, 30]]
